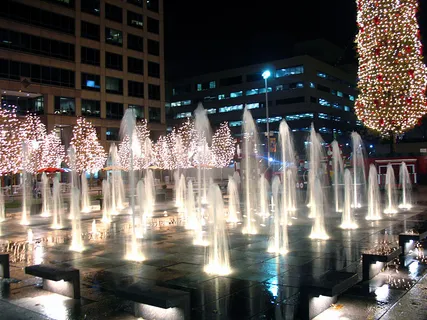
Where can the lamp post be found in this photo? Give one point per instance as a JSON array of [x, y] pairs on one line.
[[266, 74]]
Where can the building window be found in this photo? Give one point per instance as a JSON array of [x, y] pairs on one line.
[[270, 120], [230, 81], [113, 85], [322, 75], [312, 85], [90, 6], [154, 114], [114, 110], [324, 102], [211, 111], [340, 94], [236, 94], [91, 81], [323, 88], [183, 115], [136, 43], [65, 106], [210, 98], [235, 123], [289, 71], [90, 56], [252, 92], [300, 116], [253, 77], [136, 2], [113, 61], [153, 25], [180, 103], [153, 5], [153, 69], [153, 47], [252, 105], [22, 13], [113, 13], [135, 65], [135, 20], [91, 108], [181, 89], [350, 97], [24, 105], [347, 108], [136, 89], [290, 86], [139, 111], [206, 85], [262, 90], [153, 92], [113, 134], [114, 37], [231, 108], [290, 100], [65, 3], [90, 31]]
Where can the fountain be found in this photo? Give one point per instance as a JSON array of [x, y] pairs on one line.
[[318, 231], [127, 128], [236, 177], [218, 251], [347, 220], [191, 216], [338, 169], [117, 188], [264, 202], [75, 212], [315, 156], [30, 236], [149, 195], [406, 185], [57, 205], [2, 207], [25, 186], [374, 197], [233, 201], [140, 199], [288, 177], [107, 197], [86, 208], [390, 187], [46, 198], [250, 171], [180, 193], [278, 242], [359, 174]]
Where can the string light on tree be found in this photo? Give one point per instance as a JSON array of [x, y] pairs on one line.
[[32, 133], [392, 76], [90, 156], [162, 153], [52, 151], [10, 142], [223, 146]]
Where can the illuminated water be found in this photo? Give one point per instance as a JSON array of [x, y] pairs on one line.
[[315, 157], [117, 187], [278, 242], [190, 212], [390, 187], [2, 207], [318, 230], [263, 197], [374, 197], [180, 192], [46, 196], [338, 175], [140, 200], [57, 208], [406, 185], [26, 201], [233, 201], [347, 219], [85, 194], [359, 174], [76, 227], [218, 250], [149, 194], [107, 197], [251, 172], [30, 236]]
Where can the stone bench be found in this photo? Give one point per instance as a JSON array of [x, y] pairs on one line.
[[157, 302], [370, 265], [406, 237], [61, 280], [318, 294], [4, 265]]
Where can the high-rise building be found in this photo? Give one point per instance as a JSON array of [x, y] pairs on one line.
[[93, 58], [303, 89]]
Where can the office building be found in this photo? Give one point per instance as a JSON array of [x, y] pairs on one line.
[[303, 89], [93, 58]]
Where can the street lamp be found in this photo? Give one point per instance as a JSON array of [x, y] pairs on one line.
[[266, 74]]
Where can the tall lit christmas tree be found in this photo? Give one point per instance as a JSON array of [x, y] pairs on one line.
[[162, 153], [223, 146], [32, 132], [10, 142], [52, 152], [90, 155], [392, 76], [185, 144]]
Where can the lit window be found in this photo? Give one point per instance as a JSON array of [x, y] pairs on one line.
[[336, 106], [279, 87], [252, 105], [339, 94], [289, 71], [181, 103], [211, 111], [322, 75], [346, 108], [312, 85], [324, 102], [199, 87], [323, 116], [210, 98], [236, 94], [300, 85], [325, 130], [212, 84], [235, 123], [183, 115], [271, 119], [262, 90], [359, 123], [231, 108], [252, 92], [221, 96], [299, 116], [334, 92], [351, 97]]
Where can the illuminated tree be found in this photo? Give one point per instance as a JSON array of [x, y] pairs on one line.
[[184, 145], [223, 146], [90, 155], [52, 152], [162, 153], [392, 75], [203, 156], [141, 159], [32, 133], [10, 143]]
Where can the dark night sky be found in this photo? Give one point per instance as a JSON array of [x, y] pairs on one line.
[[204, 36]]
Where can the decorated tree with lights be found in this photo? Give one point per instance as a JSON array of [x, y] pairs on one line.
[[32, 132], [162, 153], [223, 146], [10, 142], [392, 75], [142, 159], [52, 152], [184, 145], [90, 156]]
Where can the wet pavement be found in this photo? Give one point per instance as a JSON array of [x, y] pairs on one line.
[[261, 286]]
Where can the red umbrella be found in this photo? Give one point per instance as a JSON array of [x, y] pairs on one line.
[[50, 170]]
